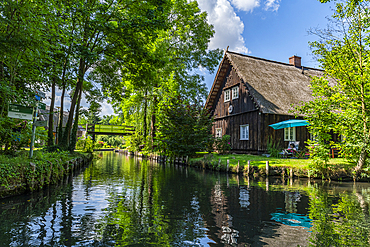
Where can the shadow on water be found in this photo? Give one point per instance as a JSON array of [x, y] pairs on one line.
[[121, 201]]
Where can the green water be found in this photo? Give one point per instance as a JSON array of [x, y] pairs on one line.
[[121, 201]]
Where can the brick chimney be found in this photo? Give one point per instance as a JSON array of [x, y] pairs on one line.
[[295, 60]]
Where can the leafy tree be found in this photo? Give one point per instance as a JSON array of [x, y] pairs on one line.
[[102, 27], [171, 56], [342, 95], [23, 50], [184, 128]]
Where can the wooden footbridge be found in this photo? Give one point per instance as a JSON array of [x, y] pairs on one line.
[[102, 129]]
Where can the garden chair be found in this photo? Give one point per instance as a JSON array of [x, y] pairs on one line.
[[285, 154]]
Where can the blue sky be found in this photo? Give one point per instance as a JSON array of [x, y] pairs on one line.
[[270, 29]]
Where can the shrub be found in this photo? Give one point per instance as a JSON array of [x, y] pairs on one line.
[[272, 148], [86, 145], [320, 157], [223, 144]]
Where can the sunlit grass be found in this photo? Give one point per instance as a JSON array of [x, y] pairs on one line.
[[258, 160]]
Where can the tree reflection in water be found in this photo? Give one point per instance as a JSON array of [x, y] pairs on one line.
[[339, 221], [120, 201]]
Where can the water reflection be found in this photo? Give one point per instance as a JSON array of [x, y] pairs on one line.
[[121, 201]]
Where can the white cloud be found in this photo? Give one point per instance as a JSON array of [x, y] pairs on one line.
[[106, 109], [272, 5], [227, 25], [246, 5]]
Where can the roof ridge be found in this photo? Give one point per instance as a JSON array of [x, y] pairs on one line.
[[267, 60]]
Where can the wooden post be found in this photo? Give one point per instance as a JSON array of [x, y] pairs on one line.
[[291, 172], [237, 167], [249, 166], [267, 168], [187, 159], [227, 165]]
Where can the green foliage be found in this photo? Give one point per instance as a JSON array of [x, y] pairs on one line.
[[135, 141], [222, 144], [14, 170], [167, 69], [16, 133], [319, 154], [184, 128], [148, 147], [341, 223], [342, 96], [86, 145], [111, 140], [272, 148], [52, 149]]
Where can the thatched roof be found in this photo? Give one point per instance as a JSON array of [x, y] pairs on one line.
[[274, 86]]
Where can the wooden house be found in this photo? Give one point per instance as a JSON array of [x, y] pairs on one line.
[[250, 93]]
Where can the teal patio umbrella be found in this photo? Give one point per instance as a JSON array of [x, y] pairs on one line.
[[289, 123]]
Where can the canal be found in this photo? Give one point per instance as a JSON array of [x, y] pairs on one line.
[[122, 201]]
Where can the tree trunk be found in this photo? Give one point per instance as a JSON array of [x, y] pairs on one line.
[[145, 116], [80, 79], [361, 161], [72, 144], [61, 111], [51, 115], [152, 127]]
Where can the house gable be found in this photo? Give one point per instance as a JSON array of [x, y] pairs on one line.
[[243, 103]]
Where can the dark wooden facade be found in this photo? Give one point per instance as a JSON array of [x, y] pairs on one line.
[[246, 111]]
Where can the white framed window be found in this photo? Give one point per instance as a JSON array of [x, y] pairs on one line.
[[227, 95], [289, 134], [235, 92], [244, 132], [218, 132]]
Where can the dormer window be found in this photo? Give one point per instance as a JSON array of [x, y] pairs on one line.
[[235, 92], [227, 95]]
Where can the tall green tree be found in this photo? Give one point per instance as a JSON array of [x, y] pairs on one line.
[[27, 63], [183, 127], [171, 58], [342, 95], [102, 27]]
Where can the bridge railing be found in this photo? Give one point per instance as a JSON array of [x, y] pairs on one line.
[[110, 129]]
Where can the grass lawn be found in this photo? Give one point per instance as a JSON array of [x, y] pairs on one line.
[[257, 160]]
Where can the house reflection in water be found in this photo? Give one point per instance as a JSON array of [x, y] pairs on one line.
[[247, 216]]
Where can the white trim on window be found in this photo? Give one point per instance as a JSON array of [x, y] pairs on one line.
[[218, 132], [244, 132], [227, 95], [289, 134], [235, 92]]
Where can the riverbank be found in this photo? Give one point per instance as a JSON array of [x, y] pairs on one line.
[[20, 174], [337, 169], [254, 165]]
